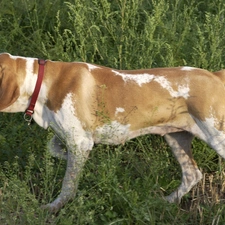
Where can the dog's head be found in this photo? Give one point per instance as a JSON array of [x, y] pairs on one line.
[[9, 88]]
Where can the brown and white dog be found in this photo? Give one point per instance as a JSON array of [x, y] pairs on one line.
[[87, 104]]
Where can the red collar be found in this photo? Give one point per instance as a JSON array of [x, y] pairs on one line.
[[30, 110]]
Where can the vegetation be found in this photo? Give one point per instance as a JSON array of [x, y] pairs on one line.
[[121, 185]]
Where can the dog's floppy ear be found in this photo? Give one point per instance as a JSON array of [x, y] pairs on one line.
[[9, 89]]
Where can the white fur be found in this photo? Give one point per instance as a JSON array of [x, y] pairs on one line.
[[119, 110], [112, 133], [31, 77], [206, 130], [92, 67], [17, 57], [68, 126], [138, 78], [187, 68], [183, 90]]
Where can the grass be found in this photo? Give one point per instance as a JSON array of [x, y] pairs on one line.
[[121, 184]]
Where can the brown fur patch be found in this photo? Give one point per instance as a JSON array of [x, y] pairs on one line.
[[9, 88]]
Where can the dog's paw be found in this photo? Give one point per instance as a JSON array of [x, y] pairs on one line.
[[172, 198], [52, 208]]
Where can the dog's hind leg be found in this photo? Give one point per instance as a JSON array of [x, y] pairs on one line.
[[214, 137], [57, 148], [180, 144]]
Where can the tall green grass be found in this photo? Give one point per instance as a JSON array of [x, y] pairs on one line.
[[120, 184]]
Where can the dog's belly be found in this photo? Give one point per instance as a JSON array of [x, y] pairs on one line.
[[112, 133], [115, 133]]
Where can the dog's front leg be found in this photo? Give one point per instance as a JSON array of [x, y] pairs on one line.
[[77, 156], [57, 148]]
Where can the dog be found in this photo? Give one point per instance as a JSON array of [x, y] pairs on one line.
[[85, 104]]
